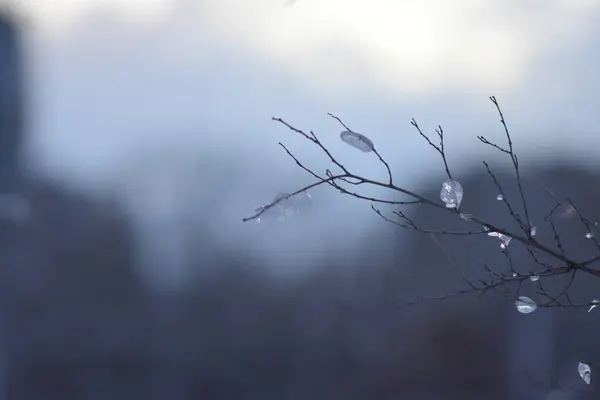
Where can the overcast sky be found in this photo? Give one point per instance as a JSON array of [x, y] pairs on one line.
[[120, 84]]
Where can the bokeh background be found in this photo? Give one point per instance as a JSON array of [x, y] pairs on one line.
[[140, 133]]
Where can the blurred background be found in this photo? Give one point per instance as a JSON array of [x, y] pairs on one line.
[[136, 134]]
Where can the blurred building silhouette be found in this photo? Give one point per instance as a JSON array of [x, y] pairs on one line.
[[11, 100], [67, 277]]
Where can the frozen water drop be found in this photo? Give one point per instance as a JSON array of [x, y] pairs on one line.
[[533, 230], [466, 217], [585, 372], [504, 239], [525, 305], [589, 235], [593, 304], [514, 274], [451, 193], [534, 278], [301, 201], [500, 197], [569, 211], [358, 141], [283, 207]]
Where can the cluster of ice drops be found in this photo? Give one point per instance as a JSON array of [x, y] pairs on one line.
[[285, 206], [452, 194]]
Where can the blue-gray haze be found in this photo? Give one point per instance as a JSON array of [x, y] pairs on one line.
[[172, 296]]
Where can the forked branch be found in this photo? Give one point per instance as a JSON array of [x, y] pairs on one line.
[[348, 182]]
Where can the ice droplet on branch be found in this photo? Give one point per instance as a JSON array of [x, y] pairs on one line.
[[585, 372], [358, 141], [285, 208], [589, 235], [504, 239], [533, 230], [534, 278], [451, 193], [466, 217], [500, 197], [525, 305], [594, 303]]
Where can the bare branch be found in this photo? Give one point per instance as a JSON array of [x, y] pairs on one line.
[[513, 157], [411, 225], [387, 167], [553, 260], [505, 200], [439, 148]]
